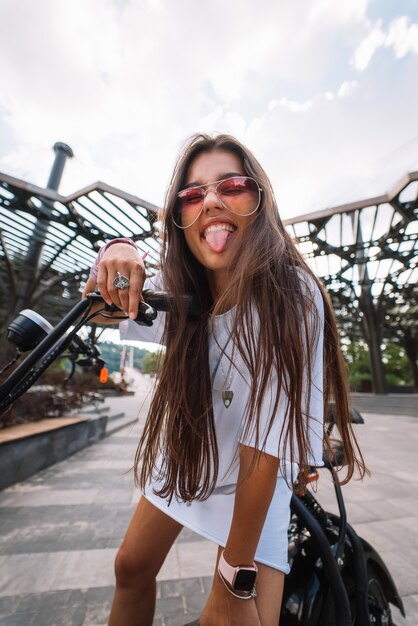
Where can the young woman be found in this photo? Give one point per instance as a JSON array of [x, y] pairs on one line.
[[237, 413]]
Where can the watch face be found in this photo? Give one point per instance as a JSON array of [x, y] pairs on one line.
[[245, 579]]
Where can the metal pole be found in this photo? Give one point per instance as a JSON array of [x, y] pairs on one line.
[[27, 279], [62, 153]]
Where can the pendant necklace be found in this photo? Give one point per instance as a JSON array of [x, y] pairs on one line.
[[227, 393]]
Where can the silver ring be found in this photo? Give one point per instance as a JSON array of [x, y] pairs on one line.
[[121, 282]]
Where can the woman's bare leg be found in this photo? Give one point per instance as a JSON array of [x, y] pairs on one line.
[[147, 542]]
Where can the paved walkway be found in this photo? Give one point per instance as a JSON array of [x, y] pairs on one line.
[[60, 529]]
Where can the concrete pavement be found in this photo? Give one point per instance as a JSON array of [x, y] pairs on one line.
[[61, 528]]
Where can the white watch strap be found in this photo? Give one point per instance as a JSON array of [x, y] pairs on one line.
[[228, 571]]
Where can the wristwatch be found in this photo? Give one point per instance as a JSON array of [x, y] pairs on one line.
[[239, 578]]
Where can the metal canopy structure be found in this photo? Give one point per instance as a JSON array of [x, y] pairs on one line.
[[70, 230], [365, 252]]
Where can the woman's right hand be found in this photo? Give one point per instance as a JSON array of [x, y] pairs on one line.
[[123, 258]]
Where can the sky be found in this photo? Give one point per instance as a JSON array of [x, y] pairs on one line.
[[324, 92]]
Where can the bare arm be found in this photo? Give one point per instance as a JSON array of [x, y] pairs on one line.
[[252, 500]]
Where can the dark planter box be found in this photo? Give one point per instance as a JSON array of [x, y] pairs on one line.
[[23, 457]]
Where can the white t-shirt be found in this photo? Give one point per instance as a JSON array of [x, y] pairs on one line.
[[212, 517]]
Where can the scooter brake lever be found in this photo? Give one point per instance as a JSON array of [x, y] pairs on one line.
[[146, 314]]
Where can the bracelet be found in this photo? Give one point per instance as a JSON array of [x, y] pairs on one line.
[[253, 592], [95, 267]]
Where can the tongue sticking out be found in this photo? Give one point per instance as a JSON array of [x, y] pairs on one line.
[[217, 239]]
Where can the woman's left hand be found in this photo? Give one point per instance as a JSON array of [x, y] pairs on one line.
[[223, 609]]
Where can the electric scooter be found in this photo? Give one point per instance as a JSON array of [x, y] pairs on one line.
[[336, 578]]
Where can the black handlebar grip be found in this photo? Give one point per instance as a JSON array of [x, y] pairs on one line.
[[159, 300], [163, 301]]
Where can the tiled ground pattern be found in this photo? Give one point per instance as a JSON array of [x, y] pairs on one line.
[[60, 529]]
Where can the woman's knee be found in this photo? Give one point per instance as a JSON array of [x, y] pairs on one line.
[[133, 569]]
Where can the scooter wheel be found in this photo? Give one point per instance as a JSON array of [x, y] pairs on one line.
[[379, 609]]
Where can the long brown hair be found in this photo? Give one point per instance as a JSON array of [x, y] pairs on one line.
[[271, 281]]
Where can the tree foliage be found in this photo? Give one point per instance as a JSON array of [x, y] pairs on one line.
[[152, 362], [397, 369]]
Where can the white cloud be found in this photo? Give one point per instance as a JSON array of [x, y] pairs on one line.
[[402, 36], [329, 12], [347, 88], [124, 82], [291, 105], [365, 51]]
